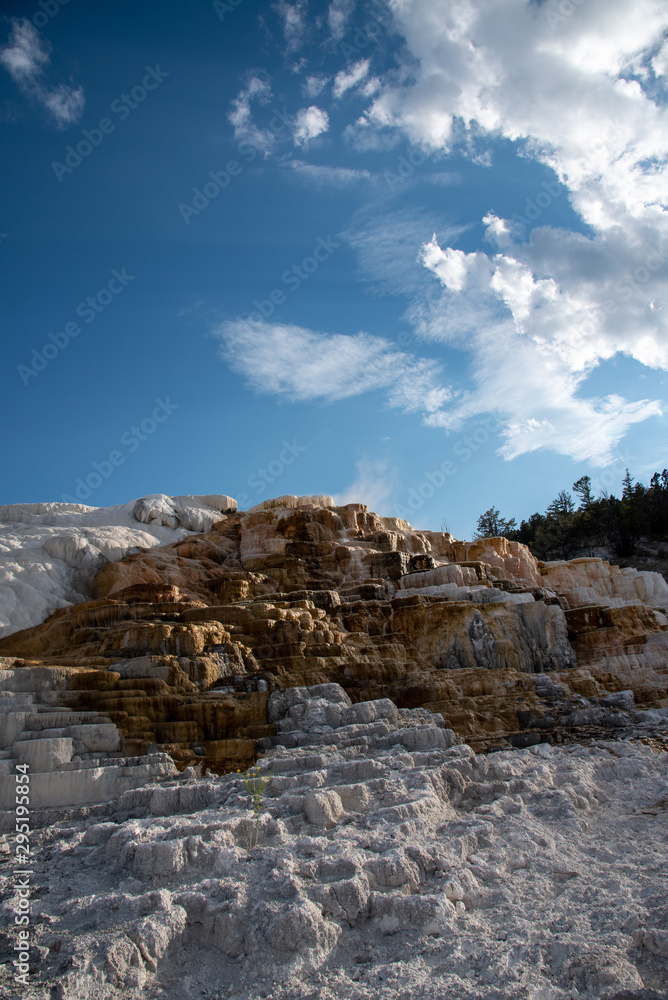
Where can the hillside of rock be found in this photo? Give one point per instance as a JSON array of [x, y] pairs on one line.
[[50, 552], [370, 669], [385, 860], [185, 642]]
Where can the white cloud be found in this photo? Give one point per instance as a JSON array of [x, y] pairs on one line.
[[443, 178], [364, 136], [314, 85], [187, 310], [531, 353], [373, 485], [388, 247], [309, 123], [338, 16], [561, 88], [303, 366], [293, 17], [370, 87], [25, 58], [660, 61], [539, 314], [258, 90], [346, 79], [326, 176]]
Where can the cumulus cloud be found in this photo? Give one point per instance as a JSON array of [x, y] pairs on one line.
[[563, 89], [388, 247], [537, 308], [301, 365], [25, 58], [347, 79], [541, 310], [309, 123], [338, 16], [314, 85], [532, 350], [257, 90], [660, 61], [293, 18]]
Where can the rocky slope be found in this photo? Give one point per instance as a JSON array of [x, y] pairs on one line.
[[386, 860], [370, 668], [50, 552], [185, 642]]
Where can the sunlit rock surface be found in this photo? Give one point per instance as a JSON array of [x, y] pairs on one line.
[[362, 663], [50, 552], [185, 642]]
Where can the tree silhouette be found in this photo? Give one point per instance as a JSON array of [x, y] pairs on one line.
[[492, 525]]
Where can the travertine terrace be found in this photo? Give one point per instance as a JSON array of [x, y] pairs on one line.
[[369, 668], [183, 644]]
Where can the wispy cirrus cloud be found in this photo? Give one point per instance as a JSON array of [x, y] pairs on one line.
[[26, 58], [374, 484], [322, 175], [302, 365], [388, 247]]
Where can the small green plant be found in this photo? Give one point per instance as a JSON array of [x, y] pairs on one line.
[[256, 785]]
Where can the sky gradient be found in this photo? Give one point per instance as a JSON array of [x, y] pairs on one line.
[[413, 254]]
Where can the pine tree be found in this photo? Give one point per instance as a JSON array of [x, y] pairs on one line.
[[583, 489], [492, 525]]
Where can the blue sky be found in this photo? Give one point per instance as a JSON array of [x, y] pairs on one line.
[[411, 253]]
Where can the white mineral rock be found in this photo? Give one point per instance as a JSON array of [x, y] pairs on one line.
[[50, 552]]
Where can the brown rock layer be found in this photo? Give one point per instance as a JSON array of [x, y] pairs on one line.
[[184, 642]]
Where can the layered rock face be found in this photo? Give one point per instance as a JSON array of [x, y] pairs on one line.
[[174, 661], [50, 552]]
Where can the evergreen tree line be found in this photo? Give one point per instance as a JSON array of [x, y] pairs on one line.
[[566, 528]]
